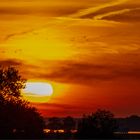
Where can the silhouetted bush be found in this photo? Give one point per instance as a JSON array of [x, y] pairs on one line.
[[68, 124], [54, 123], [100, 124]]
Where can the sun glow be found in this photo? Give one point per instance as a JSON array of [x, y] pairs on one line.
[[45, 44], [42, 92], [38, 89]]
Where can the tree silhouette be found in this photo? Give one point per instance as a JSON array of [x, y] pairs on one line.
[[68, 124], [54, 123], [11, 83], [100, 124], [17, 118]]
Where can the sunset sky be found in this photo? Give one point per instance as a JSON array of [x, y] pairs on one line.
[[87, 51]]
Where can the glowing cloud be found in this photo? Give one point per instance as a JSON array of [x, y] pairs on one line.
[[90, 10]]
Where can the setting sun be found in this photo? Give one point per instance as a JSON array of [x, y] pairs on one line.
[[39, 89]]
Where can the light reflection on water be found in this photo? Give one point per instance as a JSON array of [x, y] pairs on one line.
[[129, 132], [74, 131], [58, 131], [134, 132]]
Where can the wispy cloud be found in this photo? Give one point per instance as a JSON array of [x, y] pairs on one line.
[[117, 66], [125, 15], [60, 109], [54, 105], [83, 73], [90, 10], [10, 62], [99, 17]]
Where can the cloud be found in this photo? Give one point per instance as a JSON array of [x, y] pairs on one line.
[[60, 109], [57, 109], [126, 15], [54, 105], [120, 66], [40, 8], [10, 62], [9, 36], [99, 17], [73, 72], [119, 11], [91, 10]]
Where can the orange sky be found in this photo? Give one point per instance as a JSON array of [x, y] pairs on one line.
[[88, 50]]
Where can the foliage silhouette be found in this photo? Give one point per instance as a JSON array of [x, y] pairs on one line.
[[68, 124], [100, 124], [17, 118], [54, 123]]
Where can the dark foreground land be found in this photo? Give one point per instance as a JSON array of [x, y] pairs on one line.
[[128, 136], [73, 136]]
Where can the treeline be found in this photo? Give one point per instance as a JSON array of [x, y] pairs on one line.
[[67, 124], [100, 124]]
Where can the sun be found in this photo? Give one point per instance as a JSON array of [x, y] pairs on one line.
[[43, 91], [38, 89]]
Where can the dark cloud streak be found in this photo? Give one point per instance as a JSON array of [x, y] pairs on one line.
[[90, 73], [10, 62]]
